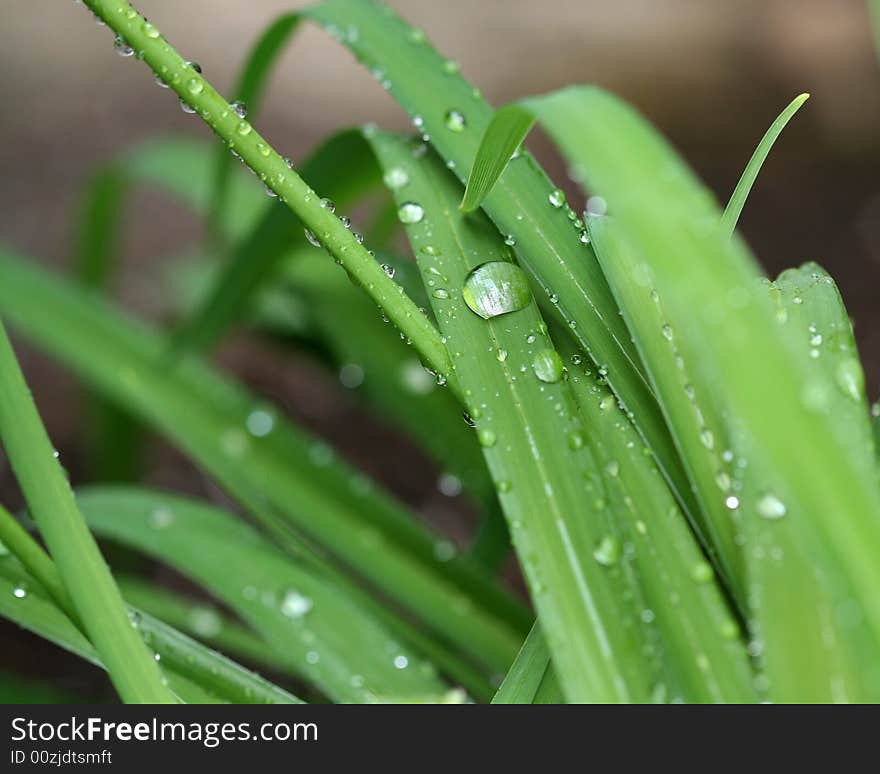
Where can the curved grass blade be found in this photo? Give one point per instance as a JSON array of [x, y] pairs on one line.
[[342, 168], [82, 569], [204, 668], [525, 205], [531, 438], [24, 602], [523, 680], [758, 371], [249, 90], [301, 616], [737, 201]]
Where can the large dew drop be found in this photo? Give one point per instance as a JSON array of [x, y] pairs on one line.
[[547, 366], [496, 288], [410, 212]]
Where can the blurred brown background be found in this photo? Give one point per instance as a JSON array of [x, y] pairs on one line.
[[711, 73]]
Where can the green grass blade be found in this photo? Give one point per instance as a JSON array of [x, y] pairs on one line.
[[452, 113], [737, 201], [249, 90], [99, 228], [524, 678], [302, 616], [874, 14], [533, 442], [85, 575], [342, 168], [282, 475], [726, 328]]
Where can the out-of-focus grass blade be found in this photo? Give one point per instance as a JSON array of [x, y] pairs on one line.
[[249, 90], [524, 678], [532, 440], [280, 474], [305, 619], [525, 205], [99, 227], [735, 206], [201, 620], [874, 14], [726, 329], [18, 690], [82, 568], [342, 168], [23, 601]]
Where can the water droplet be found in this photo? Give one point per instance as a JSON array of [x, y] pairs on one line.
[[585, 237], [607, 551], [19, 592], [486, 438], [396, 178], [351, 375], [504, 486], [449, 484], [732, 502], [441, 293], [239, 108], [706, 438], [121, 47], [313, 657], [702, 572], [150, 30], [850, 378], [294, 604], [454, 121], [259, 423], [310, 236], [596, 207], [195, 66], [451, 67], [576, 440], [556, 197], [548, 366], [205, 622], [510, 240], [612, 468], [496, 288], [161, 517], [769, 506], [195, 86], [410, 213], [401, 662]]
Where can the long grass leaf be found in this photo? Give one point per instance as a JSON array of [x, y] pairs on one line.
[[82, 568], [302, 617], [248, 91], [524, 678]]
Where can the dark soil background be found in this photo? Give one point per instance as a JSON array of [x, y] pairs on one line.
[[712, 74]]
